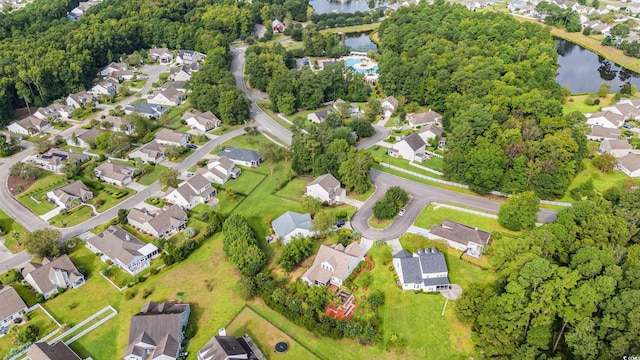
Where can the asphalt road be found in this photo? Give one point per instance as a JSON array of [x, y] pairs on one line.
[[421, 196], [263, 120]]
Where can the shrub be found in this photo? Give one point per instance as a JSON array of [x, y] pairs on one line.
[[141, 278], [119, 194], [189, 232], [154, 271], [147, 292], [100, 202], [130, 294]]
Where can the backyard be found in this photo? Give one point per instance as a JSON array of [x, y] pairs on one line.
[[37, 318], [380, 152], [601, 181], [435, 216], [38, 191], [9, 228], [151, 176]]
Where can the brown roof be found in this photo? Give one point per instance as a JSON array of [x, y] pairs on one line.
[[116, 121], [341, 259], [10, 302], [152, 149], [76, 189], [618, 144], [115, 171], [433, 128], [159, 325], [170, 135], [58, 351], [31, 121], [603, 132], [85, 134], [174, 215], [630, 162], [41, 274], [424, 118], [460, 233], [117, 243]]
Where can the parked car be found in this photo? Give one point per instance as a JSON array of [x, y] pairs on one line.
[[340, 223], [628, 126], [401, 212], [191, 146]]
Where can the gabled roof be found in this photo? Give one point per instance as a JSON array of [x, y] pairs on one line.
[[327, 182], [433, 128], [222, 348], [75, 189], [630, 162], [159, 220], [392, 100], [170, 93], [150, 109], [617, 144], [158, 325], [170, 135], [31, 121], [115, 171], [86, 134], [612, 117], [41, 273], [117, 243], [117, 121], [240, 154], [56, 156], [10, 302], [289, 222], [460, 233], [340, 258], [322, 114], [57, 351], [603, 132], [414, 141], [207, 119], [424, 117]]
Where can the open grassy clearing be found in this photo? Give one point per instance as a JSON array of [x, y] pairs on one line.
[[246, 182], [295, 189], [381, 154], [153, 175], [578, 104], [601, 181], [9, 227], [39, 190], [429, 217]]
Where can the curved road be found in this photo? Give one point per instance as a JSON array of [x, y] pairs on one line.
[[421, 196]]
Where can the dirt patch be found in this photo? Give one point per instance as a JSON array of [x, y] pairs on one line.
[[18, 185]]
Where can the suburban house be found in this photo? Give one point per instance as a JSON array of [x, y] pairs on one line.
[[114, 67], [119, 124], [461, 237], [354, 109], [157, 331], [425, 270], [240, 156], [627, 110], [189, 56], [291, 225], [220, 170], [147, 110], [79, 10], [430, 131], [11, 306], [228, 347], [114, 173], [70, 195], [57, 351], [389, 105], [326, 188], [123, 249], [162, 55], [277, 26], [158, 222], [51, 275], [178, 85], [184, 72], [107, 87], [424, 118], [617, 148], [197, 190], [630, 165], [171, 137], [334, 264], [79, 99], [168, 97], [29, 126], [53, 111], [201, 121], [599, 133], [84, 137], [606, 119], [411, 148], [151, 152], [55, 158], [319, 116]]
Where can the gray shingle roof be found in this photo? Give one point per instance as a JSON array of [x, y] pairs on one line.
[[157, 324], [415, 141], [10, 302], [327, 181], [40, 273], [117, 243], [289, 222], [630, 162], [58, 351], [460, 233], [240, 154]]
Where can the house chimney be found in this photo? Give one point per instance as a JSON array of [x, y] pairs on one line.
[[222, 332]]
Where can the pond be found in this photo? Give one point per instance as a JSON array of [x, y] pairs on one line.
[[360, 42], [584, 71], [346, 6]]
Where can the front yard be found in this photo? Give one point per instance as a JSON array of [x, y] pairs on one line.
[[74, 217], [380, 152], [151, 176], [38, 191], [9, 228], [431, 216]]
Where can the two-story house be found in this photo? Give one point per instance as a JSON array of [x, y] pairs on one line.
[[197, 190], [411, 148], [123, 249], [11, 306], [51, 275], [425, 270], [326, 188], [220, 170], [334, 264], [158, 222]]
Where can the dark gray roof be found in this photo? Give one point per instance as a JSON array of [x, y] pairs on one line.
[[432, 261], [411, 270], [460, 233], [436, 281], [159, 325], [402, 254], [58, 351], [415, 141], [240, 154]]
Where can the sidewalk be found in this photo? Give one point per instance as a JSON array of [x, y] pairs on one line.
[[46, 217]]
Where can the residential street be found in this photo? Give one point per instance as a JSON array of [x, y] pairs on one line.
[[421, 195]]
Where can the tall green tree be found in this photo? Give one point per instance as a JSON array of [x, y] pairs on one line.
[[520, 211]]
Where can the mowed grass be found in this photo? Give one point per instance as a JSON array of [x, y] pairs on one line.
[[246, 182], [151, 176], [39, 190], [601, 181], [578, 104], [39, 319], [266, 336], [74, 217], [381, 153], [431, 216], [295, 189], [9, 226]]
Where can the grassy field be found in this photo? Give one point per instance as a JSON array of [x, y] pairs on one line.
[[246, 182], [601, 181], [364, 196], [73, 217], [379, 223], [150, 177], [352, 29], [295, 189], [37, 318], [8, 226], [381, 153], [39, 190], [429, 217], [578, 104], [105, 195], [266, 335]]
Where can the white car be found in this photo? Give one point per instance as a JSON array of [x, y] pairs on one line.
[[401, 212]]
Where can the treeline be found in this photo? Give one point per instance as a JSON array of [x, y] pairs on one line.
[[570, 289], [493, 79], [331, 20], [36, 17], [290, 89], [52, 61], [554, 15]]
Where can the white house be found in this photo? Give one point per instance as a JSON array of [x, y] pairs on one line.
[[29, 126], [411, 148], [240, 156], [168, 97], [197, 190], [119, 124], [599, 133], [630, 165], [430, 131], [606, 119], [390, 104], [79, 99], [11, 306], [291, 225], [189, 56], [70, 195], [162, 55], [334, 264], [107, 87], [112, 68], [157, 331], [319, 116], [51, 275], [114, 173], [424, 118], [624, 109], [461, 237], [617, 148], [326, 188], [201, 121], [151, 152], [123, 249], [220, 170], [53, 111], [158, 222], [55, 159], [172, 137], [184, 72], [425, 270]]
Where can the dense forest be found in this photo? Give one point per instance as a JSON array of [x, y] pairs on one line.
[[46, 57], [570, 289], [493, 79]]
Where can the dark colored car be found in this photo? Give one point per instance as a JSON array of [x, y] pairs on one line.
[[191, 146], [340, 223]]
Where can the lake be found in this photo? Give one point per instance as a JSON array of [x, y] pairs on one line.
[[360, 42], [584, 71], [327, 6]]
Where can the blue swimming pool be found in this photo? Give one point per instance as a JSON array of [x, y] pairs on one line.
[[352, 62]]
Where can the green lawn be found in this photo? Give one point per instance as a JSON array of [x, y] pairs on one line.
[[264, 105], [247, 142], [245, 183], [429, 217], [136, 84], [378, 223], [601, 181], [39, 190], [39, 319], [106, 195], [295, 189], [151, 176], [364, 196], [381, 154], [172, 119], [74, 217], [8, 226]]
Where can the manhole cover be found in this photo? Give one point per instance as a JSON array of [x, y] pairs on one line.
[[282, 347]]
